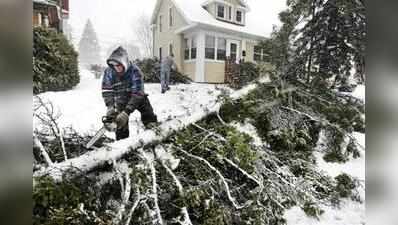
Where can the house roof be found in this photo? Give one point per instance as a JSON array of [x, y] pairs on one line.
[[196, 16], [243, 3], [45, 2]]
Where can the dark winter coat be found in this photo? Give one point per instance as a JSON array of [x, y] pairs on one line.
[[119, 90]]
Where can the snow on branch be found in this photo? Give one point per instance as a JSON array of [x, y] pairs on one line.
[[90, 160], [325, 121], [155, 192], [226, 186], [37, 143], [184, 211], [49, 119]]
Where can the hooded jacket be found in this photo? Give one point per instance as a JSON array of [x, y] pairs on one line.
[[118, 90]]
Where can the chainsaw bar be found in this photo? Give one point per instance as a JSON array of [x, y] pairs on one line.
[[97, 136]]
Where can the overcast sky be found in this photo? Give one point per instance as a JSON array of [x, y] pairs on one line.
[[114, 20]]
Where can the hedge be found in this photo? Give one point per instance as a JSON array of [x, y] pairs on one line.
[[55, 64]]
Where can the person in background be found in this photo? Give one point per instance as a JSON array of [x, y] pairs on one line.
[[123, 93], [166, 66]]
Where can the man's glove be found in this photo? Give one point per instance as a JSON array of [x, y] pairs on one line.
[[111, 113], [122, 119]]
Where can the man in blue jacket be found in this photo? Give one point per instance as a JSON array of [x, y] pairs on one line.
[[123, 93]]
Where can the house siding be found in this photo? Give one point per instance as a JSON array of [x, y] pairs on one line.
[[214, 72], [189, 69], [233, 2], [212, 9], [168, 36], [250, 51]]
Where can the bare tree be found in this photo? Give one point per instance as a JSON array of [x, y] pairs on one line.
[[48, 117], [143, 30]]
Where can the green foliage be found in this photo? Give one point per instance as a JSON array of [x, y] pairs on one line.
[[55, 66], [335, 153], [312, 209], [236, 147], [59, 203], [151, 69], [89, 47], [248, 72], [239, 149], [328, 44], [214, 214], [345, 185]]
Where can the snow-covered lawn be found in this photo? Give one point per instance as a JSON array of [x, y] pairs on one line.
[[83, 107], [350, 212]]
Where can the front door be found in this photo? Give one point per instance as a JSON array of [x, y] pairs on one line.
[[233, 50]]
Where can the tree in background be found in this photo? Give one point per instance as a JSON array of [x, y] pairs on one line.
[[89, 49], [55, 66], [320, 42], [144, 34], [133, 51]]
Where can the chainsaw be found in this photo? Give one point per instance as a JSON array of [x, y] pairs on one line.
[[109, 125]]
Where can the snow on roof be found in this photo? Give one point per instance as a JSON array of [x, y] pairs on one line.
[[45, 2], [193, 12], [241, 2]]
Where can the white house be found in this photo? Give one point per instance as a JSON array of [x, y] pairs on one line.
[[202, 34]]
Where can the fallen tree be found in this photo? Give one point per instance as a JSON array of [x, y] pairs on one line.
[[209, 171], [115, 151]]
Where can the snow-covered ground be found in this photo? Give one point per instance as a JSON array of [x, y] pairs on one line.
[[350, 212], [83, 107]]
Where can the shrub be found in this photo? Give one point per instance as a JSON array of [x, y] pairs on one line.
[[345, 185], [55, 65], [248, 72], [151, 69], [311, 209]]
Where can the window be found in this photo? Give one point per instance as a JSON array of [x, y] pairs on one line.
[[160, 53], [171, 49], [239, 16], [186, 49], [171, 17], [230, 13], [221, 49], [234, 51], [220, 11], [193, 49], [160, 23], [210, 49], [257, 53], [260, 54]]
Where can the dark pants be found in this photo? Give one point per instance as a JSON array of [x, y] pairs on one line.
[[142, 104]]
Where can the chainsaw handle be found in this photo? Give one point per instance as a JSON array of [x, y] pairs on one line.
[[107, 119]]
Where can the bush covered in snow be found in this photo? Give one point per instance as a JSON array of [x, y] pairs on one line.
[[55, 65], [248, 72], [213, 173], [151, 69]]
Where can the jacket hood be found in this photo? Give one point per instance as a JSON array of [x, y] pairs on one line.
[[119, 55]]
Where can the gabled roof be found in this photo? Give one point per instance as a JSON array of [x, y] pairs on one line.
[[195, 15], [243, 3], [45, 2]]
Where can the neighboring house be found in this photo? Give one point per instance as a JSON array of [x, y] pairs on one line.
[[51, 13], [202, 34]]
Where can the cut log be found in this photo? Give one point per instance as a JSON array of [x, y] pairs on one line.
[[115, 151]]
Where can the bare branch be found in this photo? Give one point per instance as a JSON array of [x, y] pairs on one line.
[[144, 34], [226, 186], [155, 192], [50, 120], [43, 151]]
